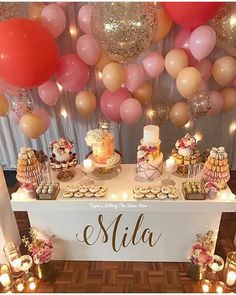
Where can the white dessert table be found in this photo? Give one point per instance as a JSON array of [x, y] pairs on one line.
[[120, 228]]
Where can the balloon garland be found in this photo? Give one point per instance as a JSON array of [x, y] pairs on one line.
[[115, 35]]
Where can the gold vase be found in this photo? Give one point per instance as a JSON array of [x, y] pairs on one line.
[[197, 272], [45, 271]]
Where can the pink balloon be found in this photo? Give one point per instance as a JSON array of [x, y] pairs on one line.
[[14, 117], [6, 87], [204, 66], [182, 38], [44, 116], [110, 103], [19, 111], [63, 4], [203, 86], [130, 111], [87, 49], [154, 64], [72, 73], [202, 42], [53, 18], [84, 18], [49, 93], [134, 76], [234, 82], [217, 102]]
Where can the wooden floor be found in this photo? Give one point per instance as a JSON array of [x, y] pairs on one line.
[[131, 276]]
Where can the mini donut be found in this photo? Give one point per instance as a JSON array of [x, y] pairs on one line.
[[67, 195], [99, 194], [94, 188], [138, 195], [172, 196], [150, 195], [72, 189], [144, 190], [161, 196], [156, 190], [102, 189], [89, 195], [136, 190], [78, 195], [166, 190], [83, 189]]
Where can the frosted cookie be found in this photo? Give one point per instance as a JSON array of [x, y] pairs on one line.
[[150, 196], [88, 195], [156, 190], [161, 196], [99, 194], [83, 189], [67, 195], [78, 195]]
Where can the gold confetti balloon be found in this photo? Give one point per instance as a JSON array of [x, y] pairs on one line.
[[9, 10], [199, 104], [160, 113], [123, 30], [224, 24]]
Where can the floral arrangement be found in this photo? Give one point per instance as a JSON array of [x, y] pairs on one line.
[[28, 186], [147, 153], [186, 142], [96, 136], [212, 186], [39, 245], [201, 254], [61, 146]]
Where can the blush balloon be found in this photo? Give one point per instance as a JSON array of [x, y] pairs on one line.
[[217, 101], [130, 111], [111, 101], [87, 49], [204, 67], [154, 64], [84, 18], [182, 38], [134, 76], [54, 19], [72, 73], [49, 93], [6, 87]]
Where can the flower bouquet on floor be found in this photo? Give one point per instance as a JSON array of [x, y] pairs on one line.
[[201, 255], [41, 248]]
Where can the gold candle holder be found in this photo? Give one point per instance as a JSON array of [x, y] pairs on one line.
[[20, 286], [32, 282], [12, 254], [206, 286], [5, 276], [220, 287], [230, 270]]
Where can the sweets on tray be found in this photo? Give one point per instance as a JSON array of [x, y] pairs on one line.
[[193, 190], [28, 167], [186, 153], [85, 191], [155, 192], [149, 157], [41, 157], [216, 168], [47, 190], [62, 156], [103, 144]]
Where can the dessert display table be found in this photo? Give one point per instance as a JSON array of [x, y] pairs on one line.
[[118, 227]]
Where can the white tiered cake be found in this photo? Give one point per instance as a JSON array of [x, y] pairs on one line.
[[149, 157]]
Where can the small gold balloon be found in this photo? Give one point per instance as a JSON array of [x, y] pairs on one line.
[[160, 113], [224, 23], [144, 93], [34, 11], [123, 30]]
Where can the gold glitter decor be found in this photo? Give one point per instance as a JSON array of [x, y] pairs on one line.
[[8, 10], [123, 30], [199, 104], [224, 24], [160, 113]]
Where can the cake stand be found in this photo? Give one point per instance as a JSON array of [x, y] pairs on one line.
[[106, 168], [65, 174]]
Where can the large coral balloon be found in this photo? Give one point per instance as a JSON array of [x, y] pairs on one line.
[[225, 26], [123, 30], [28, 53]]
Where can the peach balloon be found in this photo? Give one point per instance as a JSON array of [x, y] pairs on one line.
[[175, 61], [224, 70], [229, 96], [34, 11], [144, 93], [85, 102], [31, 125], [103, 61], [164, 25], [4, 106], [188, 81], [113, 76], [179, 114]]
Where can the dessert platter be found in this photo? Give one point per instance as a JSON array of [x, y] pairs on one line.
[[155, 192], [193, 190], [84, 191], [47, 190], [149, 157], [62, 159], [103, 153]]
